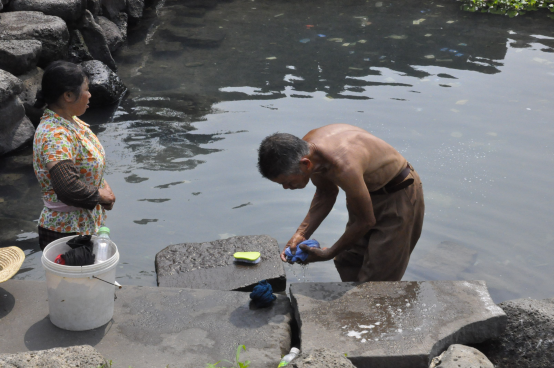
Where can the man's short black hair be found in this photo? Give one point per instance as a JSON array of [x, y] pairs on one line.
[[279, 154]]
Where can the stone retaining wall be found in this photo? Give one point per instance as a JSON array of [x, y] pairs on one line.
[[33, 33]]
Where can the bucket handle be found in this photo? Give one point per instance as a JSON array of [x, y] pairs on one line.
[[117, 284]]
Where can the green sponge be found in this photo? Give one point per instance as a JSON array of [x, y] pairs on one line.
[[247, 256]]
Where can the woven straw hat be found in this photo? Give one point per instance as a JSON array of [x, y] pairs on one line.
[[11, 259]]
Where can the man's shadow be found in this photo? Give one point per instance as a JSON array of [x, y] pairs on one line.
[[7, 302]]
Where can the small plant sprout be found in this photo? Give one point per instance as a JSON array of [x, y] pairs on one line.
[[238, 363]]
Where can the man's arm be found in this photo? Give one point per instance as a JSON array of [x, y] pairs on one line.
[[361, 214], [322, 203]]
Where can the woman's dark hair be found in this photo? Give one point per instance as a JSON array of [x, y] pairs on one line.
[[280, 153], [60, 77]]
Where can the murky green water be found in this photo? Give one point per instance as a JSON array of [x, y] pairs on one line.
[[466, 98]]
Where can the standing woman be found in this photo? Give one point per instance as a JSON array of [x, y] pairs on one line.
[[68, 158]]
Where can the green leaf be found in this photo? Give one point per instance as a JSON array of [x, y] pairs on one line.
[[238, 351]]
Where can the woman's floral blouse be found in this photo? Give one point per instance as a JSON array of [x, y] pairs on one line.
[[58, 139]]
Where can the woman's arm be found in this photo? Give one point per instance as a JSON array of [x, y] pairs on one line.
[[74, 192]]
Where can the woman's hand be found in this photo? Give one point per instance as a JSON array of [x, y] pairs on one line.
[[107, 198], [292, 244]]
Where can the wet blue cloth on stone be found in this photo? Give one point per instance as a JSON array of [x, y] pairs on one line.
[[262, 295], [300, 255]]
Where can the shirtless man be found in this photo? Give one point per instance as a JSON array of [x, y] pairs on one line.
[[384, 197]]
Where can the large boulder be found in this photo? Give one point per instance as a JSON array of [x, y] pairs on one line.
[[195, 37], [105, 86], [96, 40], [211, 265], [528, 341], [112, 32], [19, 56], [461, 356], [16, 129], [94, 6], [121, 21], [74, 356], [78, 50], [134, 10], [112, 8], [68, 10], [51, 31], [31, 85]]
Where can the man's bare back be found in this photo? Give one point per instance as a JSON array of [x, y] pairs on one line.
[[378, 240], [341, 147]]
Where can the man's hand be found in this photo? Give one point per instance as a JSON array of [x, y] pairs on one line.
[[292, 244], [107, 198], [316, 254]]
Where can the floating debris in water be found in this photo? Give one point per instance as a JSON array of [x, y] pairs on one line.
[[354, 68], [367, 59], [321, 35], [461, 102], [305, 40], [428, 35], [462, 44], [308, 26], [335, 39], [278, 15], [346, 44], [453, 51], [430, 56], [271, 58], [397, 37], [362, 41], [382, 57], [450, 21], [444, 49], [459, 54], [419, 21]]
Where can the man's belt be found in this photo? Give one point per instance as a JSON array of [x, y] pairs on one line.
[[397, 183]]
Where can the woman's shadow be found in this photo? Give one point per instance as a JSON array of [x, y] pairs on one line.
[[44, 335]]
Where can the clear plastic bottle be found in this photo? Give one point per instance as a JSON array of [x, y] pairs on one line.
[[289, 357], [101, 246]]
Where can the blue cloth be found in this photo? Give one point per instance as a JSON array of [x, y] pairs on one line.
[[300, 255], [262, 295]]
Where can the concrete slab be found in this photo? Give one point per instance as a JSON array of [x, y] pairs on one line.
[[153, 327], [211, 265], [76, 356], [394, 324]]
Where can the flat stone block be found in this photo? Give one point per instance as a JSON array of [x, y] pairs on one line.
[[75, 356], [154, 327], [211, 265], [68, 10], [394, 324]]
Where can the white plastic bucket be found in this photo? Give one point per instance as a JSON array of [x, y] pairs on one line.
[[77, 301]]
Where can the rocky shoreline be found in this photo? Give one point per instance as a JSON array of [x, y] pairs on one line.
[[34, 33]]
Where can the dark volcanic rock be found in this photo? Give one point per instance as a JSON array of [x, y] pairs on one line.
[[68, 10], [19, 56], [51, 31], [105, 86], [75, 356], [78, 49], [31, 85], [94, 6], [461, 356], [16, 129], [112, 32], [528, 341], [96, 40], [10, 86], [135, 9], [211, 265], [113, 7], [121, 21]]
